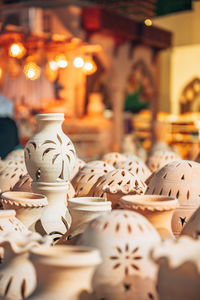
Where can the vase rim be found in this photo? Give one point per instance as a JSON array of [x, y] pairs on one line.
[[25, 199], [64, 256], [50, 117], [100, 201]]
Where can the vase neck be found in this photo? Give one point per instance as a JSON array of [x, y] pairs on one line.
[[56, 125]]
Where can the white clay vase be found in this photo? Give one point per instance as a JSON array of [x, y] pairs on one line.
[[28, 206], [83, 210], [17, 273], [157, 209], [9, 222], [63, 272], [50, 155]]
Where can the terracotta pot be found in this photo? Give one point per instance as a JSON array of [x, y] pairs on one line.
[[137, 168], [113, 158], [83, 210], [17, 274], [28, 206], [63, 272], [49, 154], [125, 239], [179, 269], [8, 222], [157, 209], [159, 159], [178, 179]]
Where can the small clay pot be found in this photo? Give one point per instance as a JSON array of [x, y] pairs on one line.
[[157, 209]]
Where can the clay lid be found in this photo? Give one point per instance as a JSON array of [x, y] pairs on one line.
[[113, 158], [160, 158], [136, 167], [118, 181], [149, 202], [24, 199], [10, 176]]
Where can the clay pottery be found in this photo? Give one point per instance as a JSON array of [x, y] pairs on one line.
[[113, 158], [63, 272], [161, 158], [136, 167], [28, 206], [17, 155], [17, 274], [116, 184], [124, 239], [78, 166], [192, 227], [24, 184], [88, 176], [83, 210], [157, 209], [178, 179], [8, 222], [179, 269], [9, 176], [131, 156], [50, 155]]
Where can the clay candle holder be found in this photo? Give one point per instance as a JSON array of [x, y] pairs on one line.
[[192, 228], [113, 158], [157, 209], [9, 177], [137, 168], [161, 158]]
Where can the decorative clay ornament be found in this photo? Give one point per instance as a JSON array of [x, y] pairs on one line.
[[8, 222], [137, 168]]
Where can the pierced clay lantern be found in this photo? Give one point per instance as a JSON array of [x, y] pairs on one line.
[[124, 239], [9, 177], [192, 228], [161, 158], [179, 179], [136, 167], [113, 158]]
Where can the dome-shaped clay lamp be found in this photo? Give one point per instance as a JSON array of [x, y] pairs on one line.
[[63, 272], [131, 156], [113, 158], [179, 269], [124, 239], [192, 227], [88, 176], [28, 206], [8, 222], [116, 184], [157, 209], [79, 164], [83, 210], [161, 158], [15, 163], [17, 155], [17, 273], [135, 167], [9, 177], [178, 179], [50, 155]]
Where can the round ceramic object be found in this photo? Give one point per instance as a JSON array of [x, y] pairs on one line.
[[78, 166], [50, 155], [23, 184], [113, 158], [137, 168], [9, 177], [124, 239], [192, 228], [17, 155], [116, 184], [88, 176], [157, 209], [179, 269], [130, 156], [83, 210], [8, 222], [161, 158], [17, 274], [28, 206], [178, 179], [63, 272]]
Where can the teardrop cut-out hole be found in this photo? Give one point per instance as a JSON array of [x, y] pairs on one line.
[[177, 194], [188, 195], [123, 173], [23, 288], [169, 194], [161, 191], [183, 177], [8, 286]]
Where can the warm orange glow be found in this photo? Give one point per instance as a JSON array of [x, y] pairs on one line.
[[61, 61], [32, 71], [17, 50], [78, 62], [53, 65], [89, 67], [148, 22], [1, 72]]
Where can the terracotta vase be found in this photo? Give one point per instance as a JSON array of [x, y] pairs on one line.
[[136, 167], [157, 209], [192, 228], [178, 179], [179, 269], [17, 273], [125, 239], [63, 272], [159, 159], [113, 158], [83, 210], [8, 222], [28, 206]]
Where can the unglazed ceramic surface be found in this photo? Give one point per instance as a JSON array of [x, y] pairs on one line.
[[157, 209], [124, 239], [136, 167], [23, 184], [159, 159], [17, 155], [79, 164], [179, 269], [113, 158], [50, 155], [9, 176], [8, 222], [64, 272], [178, 179], [192, 228]]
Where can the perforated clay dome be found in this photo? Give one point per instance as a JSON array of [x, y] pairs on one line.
[[124, 239], [9, 177], [160, 158], [136, 167], [179, 179], [113, 158], [88, 176], [79, 164]]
